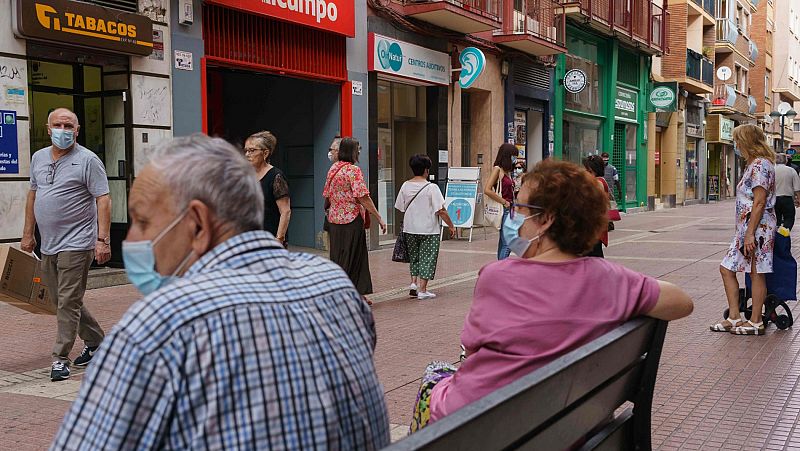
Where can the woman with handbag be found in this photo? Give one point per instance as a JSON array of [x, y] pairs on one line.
[[423, 205], [350, 205], [499, 189], [594, 164]]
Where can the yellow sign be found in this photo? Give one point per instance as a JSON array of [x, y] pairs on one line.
[[85, 24]]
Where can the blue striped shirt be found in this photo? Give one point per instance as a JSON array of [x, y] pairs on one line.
[[254, 348]]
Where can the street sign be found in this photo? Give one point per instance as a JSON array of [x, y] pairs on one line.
[[724, 73]]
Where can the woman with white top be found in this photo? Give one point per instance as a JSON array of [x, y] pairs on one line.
[[423, 205]]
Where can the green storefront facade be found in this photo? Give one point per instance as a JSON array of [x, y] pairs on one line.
[[608, 114]]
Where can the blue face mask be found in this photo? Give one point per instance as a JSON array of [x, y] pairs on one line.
[[140, 262], [516, 243], [61, 138]]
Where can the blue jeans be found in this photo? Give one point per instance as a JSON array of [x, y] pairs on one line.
[[502, 247]]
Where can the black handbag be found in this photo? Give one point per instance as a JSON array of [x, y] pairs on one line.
[[400, 253]]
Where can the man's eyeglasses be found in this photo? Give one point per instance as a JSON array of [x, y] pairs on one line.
[[513, 210], [250, 150], [51, 173]]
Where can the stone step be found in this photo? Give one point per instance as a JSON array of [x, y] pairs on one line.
[[106, 277]]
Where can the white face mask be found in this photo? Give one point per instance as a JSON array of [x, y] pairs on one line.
[[330, 155]]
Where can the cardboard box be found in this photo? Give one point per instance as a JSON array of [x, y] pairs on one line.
[[20, 282]]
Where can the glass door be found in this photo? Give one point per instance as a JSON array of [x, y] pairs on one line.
[[117, 156], [385, 157]]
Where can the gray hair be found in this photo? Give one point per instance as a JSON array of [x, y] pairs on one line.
[[780, 158], [213, 171]]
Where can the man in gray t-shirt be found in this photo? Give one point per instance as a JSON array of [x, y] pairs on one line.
[[69, 200]]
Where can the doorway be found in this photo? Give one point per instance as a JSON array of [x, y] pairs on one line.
[[105, 126], [305, 117], [402, 133]]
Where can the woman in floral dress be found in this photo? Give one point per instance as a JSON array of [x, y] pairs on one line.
[[752, 246], [350, 203]]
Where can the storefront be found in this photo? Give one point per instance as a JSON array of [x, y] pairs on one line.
[[721, 178], [528, 119], [407, 86], [273, 66], [695, 147], [109, 67], [599, 109]]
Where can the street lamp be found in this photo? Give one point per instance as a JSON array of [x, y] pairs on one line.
[[790, 114]]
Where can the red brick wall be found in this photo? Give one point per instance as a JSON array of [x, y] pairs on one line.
[[674, 65]]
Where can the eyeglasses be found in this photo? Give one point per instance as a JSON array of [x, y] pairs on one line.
[[513, 210], [250, 150], [51, 173]]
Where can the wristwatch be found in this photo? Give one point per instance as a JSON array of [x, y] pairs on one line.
[[106, 240]]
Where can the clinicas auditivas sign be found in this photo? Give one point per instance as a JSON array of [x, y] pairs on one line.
[[84, 24]]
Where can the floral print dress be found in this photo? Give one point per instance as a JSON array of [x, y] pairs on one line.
[[760, 172]]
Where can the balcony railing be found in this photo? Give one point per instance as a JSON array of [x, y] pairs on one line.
[[725, 96], [707, 71], [708, 5], [542, 19], [727, 31], [463, 16], [699, 67], [640, 19]]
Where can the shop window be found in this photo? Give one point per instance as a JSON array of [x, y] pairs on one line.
[[691, 169], [51, 75], [581, 138], [590, 99]]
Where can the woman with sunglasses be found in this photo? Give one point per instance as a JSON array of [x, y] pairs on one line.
[[531, 309]]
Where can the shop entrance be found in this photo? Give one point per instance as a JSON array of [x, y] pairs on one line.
[[304, 115], [104, 120], [624, 158], [402, 133]]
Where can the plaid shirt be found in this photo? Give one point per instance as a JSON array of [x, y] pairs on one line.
[[254, 348]]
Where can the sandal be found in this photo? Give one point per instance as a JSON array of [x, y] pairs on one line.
[[752, 329], [719, 327]]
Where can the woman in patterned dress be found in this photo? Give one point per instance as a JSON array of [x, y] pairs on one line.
[[350, 203], [754, 241]]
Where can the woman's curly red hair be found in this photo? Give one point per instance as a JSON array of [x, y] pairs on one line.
[[574, 198]]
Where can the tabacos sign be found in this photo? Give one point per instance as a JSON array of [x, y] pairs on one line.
[[407, 60], [84, 24], [335, 16]]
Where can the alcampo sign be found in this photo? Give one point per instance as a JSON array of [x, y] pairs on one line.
[[335, 16], [84, 24]]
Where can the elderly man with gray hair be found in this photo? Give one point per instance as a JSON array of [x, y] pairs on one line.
[[237, 343], [69, 200], [787, 190]]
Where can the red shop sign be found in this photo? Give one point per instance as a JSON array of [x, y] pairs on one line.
[[335, 16]]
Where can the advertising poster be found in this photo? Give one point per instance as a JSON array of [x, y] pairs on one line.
[[460, 200]]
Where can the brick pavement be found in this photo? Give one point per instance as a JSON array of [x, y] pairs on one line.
[[683, 246]]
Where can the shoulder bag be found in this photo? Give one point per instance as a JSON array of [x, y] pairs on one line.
[[493, 210], [400, 253], [325, 224]]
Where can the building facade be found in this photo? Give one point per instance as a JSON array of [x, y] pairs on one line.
[[604, 82], [110, 64], [733, 102], [782, 83], [678, 147], [434, 112], [297, 71]]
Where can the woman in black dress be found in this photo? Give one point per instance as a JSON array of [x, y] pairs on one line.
[[258, 149]]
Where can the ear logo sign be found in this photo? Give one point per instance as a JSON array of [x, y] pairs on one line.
[[472, 63]]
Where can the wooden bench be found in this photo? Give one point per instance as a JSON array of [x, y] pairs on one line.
[[572, 399]]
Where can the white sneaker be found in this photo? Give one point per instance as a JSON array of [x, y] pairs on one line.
[[425, 295], [412, 290]]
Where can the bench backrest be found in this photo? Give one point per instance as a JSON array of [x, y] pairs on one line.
[[571, 399]]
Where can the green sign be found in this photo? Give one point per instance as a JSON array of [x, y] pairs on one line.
[[625, 104], [725, 129], [663, 97]]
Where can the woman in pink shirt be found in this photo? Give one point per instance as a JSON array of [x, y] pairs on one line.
[[531, 309]]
